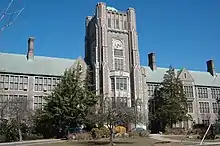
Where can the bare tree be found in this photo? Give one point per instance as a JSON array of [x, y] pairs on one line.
[[20, 112], [113, 115], [12, 16], [3, 106]]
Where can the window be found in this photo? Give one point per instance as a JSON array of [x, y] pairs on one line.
[[113, 102], [22, 82], [188, 90], [113, 84], [109, 22], [121, 83], [117, 24], [118, 53], [39, 102], [16, 101], [125, 25], [185, 75], [122, 101], [215, 93], [190, 107], [151, 89], [118, 64], [14, 82], [121, 24], [202, 92], [215, 107], [205, 122], [4, 82], [45, 83], [204, 107]]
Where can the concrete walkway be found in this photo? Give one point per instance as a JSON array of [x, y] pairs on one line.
[[164, 138]]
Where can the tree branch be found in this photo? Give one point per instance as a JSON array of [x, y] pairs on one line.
[[13, 16]]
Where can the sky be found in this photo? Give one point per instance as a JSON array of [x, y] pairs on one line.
[[182, 33]]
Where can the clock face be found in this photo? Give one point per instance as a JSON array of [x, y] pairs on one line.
[[117, 44]]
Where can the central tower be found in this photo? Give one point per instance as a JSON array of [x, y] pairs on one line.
[[111, 51]]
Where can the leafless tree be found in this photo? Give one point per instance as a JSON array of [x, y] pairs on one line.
[[3, 106], [10, 15], [20, 112], [113, 115]]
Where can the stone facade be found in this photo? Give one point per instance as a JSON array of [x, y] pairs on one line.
[[111, 52]]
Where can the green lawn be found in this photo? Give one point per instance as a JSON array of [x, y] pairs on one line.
[[123, 142]]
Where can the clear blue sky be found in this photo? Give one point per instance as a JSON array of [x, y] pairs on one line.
[[183, 33]]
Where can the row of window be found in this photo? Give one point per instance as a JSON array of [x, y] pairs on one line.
[[188, 90], [45, 83], [13, 82], [204, 107], [19, 82], [117, 24], [10, 101]]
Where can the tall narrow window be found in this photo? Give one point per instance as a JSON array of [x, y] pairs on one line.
[[190, 107], [109, 22], [117, 24], [118, 64], [125, 25], [113, 84]]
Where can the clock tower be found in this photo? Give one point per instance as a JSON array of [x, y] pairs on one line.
[[111, 52]]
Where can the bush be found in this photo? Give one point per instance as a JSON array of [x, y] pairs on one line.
[[83, 136], [96, 134], [133, 134], [34, 137], [2, 138], [104, 132], [175, 131], [144, 134], [201, 129]]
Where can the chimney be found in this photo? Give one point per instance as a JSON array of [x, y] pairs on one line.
[[210, 67], [30, 53], [152, 61]]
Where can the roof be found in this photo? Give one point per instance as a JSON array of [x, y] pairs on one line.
[[40, 65], [200, 78]]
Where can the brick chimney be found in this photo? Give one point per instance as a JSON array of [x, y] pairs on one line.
[[210, 67], [152, 61], [30, 52]]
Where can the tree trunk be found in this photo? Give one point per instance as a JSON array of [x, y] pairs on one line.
[[20, 134], [111, 136]]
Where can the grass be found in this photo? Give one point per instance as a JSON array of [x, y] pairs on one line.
[[123, 142]]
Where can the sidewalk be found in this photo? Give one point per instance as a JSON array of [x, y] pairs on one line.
[[31, 141], [163, 138]]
